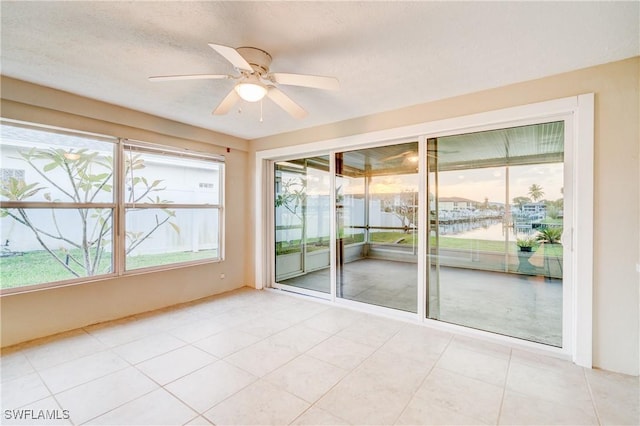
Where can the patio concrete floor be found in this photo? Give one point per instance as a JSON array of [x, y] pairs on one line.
[[523, 306]]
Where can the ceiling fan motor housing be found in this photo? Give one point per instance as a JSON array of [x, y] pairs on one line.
[[257, 58]]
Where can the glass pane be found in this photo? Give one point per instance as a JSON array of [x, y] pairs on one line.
[[160, 178], [157, 237], [496, 217], [45, 166], [48, 245], [377, 223], [302, 220]]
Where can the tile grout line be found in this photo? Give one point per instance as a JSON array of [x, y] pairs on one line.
[[593, 400], [258, 378], [313, 404], [335, 334], [504, 387], [51, 394], [424, 379], [102, 377], [115, 408]]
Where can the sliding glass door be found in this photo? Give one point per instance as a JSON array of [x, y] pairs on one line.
[[302, 223], [495, 256], [347, 225], [377, 226]]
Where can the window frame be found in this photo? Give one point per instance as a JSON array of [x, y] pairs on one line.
[[579, 109], [150, 148], [118, 206]]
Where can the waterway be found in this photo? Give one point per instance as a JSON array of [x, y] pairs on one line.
[[489, 229]]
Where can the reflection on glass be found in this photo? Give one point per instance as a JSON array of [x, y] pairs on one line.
[[157, 237], [376, 218], [496, 217], [302, 222], [71, 243]]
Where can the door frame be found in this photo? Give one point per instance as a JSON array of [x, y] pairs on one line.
[[579, 159]]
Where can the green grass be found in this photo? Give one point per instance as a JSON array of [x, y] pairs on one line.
[[402, 239], [147, 260], [550, 221], [457, 243], [38, 267]]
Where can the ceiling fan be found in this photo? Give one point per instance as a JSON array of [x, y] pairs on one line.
[[255, 81]]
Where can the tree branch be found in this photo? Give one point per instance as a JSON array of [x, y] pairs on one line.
[[73, 182], [98, 189], [33, 166], [99, 249], [138, 242], [27, 222]]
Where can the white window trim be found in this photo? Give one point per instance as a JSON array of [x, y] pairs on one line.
[[578, 345], [119, 206]]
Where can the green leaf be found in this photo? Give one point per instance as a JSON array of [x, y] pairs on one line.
[[101, 176], [175, 227], [50, 167]]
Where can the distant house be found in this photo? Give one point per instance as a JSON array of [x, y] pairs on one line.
[[456, 203], [534, 208]]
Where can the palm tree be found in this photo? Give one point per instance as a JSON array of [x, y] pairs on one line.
[[536, 192]]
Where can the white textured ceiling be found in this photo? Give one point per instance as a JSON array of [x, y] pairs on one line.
[[387, 55]]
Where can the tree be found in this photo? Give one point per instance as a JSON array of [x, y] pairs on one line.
[[404, 207], [521, 201], [293, 195], [80, 176], [535, 192], [554, 207]]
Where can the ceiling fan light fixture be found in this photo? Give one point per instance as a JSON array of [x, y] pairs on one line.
[[251, 92]]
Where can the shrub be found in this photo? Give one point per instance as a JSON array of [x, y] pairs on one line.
[[549, 235]]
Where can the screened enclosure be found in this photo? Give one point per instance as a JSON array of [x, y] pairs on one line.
[[491, 231]]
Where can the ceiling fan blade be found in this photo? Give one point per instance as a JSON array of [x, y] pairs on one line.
[[232, 55], [314, 81], [190, 77], [286, 103], [227, 103]]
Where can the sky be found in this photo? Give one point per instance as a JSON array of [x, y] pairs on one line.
[[477, 184], [473, 184]]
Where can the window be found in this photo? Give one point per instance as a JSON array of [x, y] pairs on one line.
[[167, 220], [7, 174], [59, 214]]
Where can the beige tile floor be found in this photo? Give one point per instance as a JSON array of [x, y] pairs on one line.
[[258, 357]]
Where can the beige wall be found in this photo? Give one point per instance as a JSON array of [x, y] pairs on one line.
[[34, 314], [616, 230], [617, 145]]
